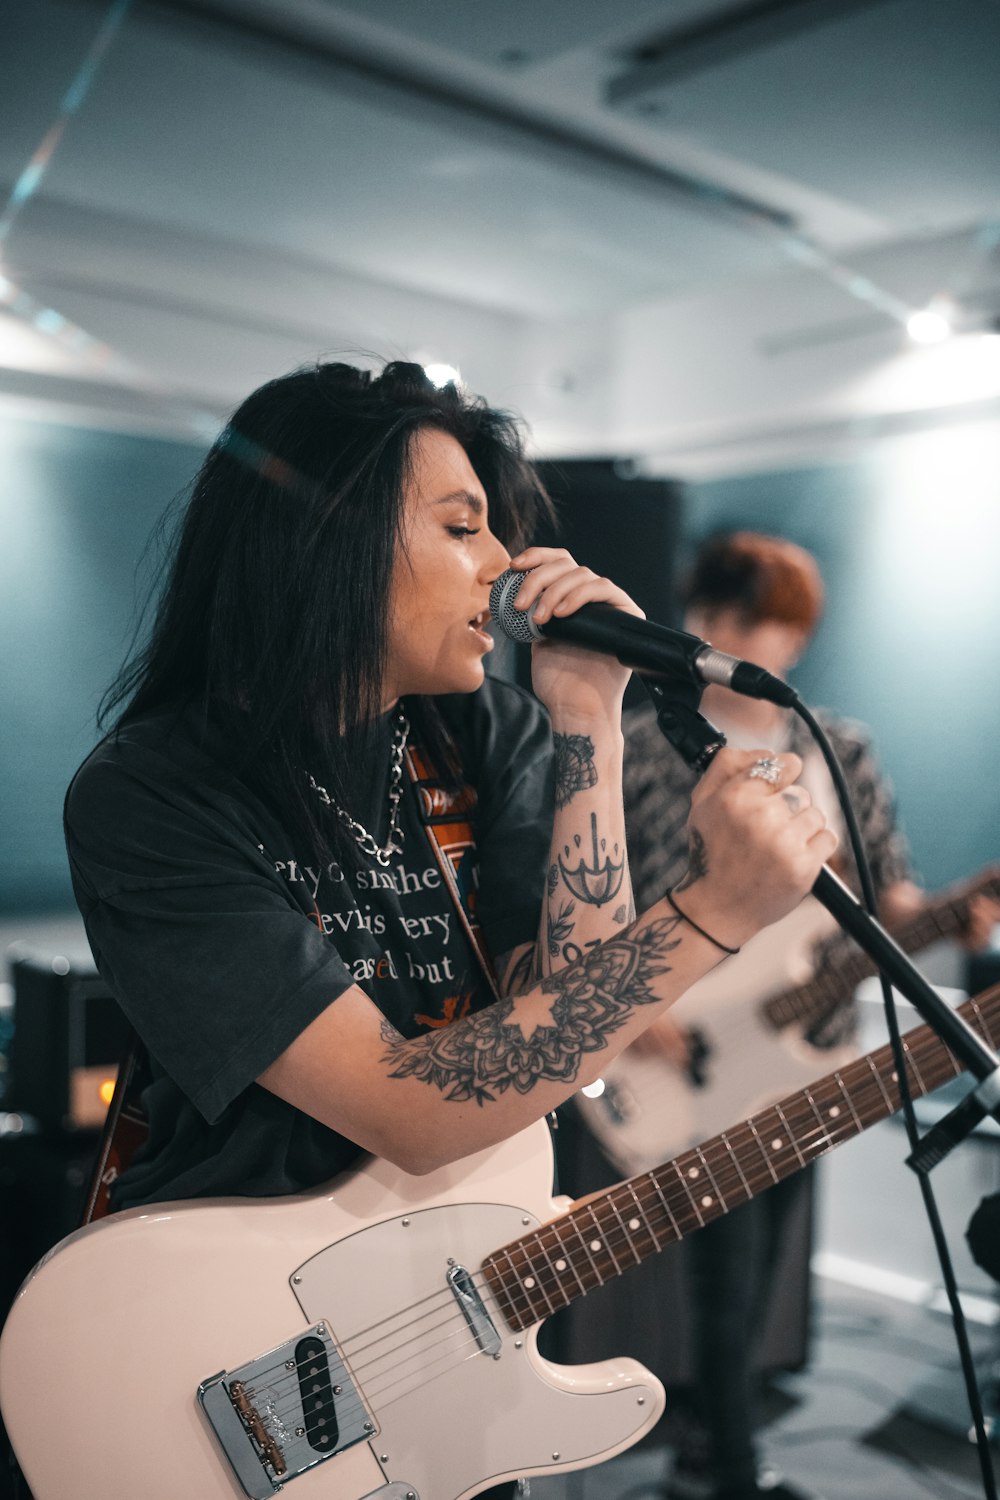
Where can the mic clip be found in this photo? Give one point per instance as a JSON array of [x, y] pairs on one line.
[[676, 700], [961, 1121]]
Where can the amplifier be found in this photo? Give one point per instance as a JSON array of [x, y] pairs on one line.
[[68, 1038]]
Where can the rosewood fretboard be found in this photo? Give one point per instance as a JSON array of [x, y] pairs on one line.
[[944, 916], [547, 1269]]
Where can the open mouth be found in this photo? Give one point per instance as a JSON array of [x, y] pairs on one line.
[[478, 625]]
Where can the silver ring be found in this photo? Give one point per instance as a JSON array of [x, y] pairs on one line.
[[766, 769]]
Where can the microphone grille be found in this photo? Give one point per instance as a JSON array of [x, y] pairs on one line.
[[516, 624]]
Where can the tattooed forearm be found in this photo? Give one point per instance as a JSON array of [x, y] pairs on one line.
[[575, 769], [518, 970], [592, 875], [697, 860], [560, 928], [487, 1054]]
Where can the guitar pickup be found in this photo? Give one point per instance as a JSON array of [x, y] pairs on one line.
[[464, 1290], [285, 1412]]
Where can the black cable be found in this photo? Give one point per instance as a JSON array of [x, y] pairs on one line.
[[927, 1192]]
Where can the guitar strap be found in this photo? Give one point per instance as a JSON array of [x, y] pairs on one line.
[[447, 820]]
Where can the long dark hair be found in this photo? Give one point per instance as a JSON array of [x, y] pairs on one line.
[[273, 615]]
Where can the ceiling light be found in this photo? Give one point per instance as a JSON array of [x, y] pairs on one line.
[[928, 326], [440, 375]]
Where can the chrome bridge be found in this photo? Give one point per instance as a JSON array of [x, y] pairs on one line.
[[285, 1412]]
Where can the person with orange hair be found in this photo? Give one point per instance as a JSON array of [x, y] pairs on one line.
[[759, 598]]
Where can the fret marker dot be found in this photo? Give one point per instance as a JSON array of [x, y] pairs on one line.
[[633, 1224], [595, 1244], [529, 1281], [777, 1143], [560, 1265], [693, 1173], [894, 1077], [834, 1111], [706, 1202]]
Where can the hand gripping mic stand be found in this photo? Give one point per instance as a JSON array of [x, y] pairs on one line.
[[676, 700]]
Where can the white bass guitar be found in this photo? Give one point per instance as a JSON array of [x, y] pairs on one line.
[[377, 1338]]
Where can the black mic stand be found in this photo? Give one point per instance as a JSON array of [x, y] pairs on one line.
[[698, 741]]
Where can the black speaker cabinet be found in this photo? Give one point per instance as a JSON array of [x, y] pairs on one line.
[[69, 1035], [622, 525]]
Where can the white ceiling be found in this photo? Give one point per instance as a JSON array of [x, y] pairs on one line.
[[688, 230]]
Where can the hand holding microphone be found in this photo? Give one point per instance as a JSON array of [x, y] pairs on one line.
[[762, 853], [551, 588], [605, 627]]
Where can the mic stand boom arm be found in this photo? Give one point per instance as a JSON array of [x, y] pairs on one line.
[[698, 741]]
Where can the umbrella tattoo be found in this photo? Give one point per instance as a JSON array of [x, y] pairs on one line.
[[597, 882]]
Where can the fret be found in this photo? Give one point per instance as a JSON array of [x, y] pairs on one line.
[[977, 1011], [867, 1106], [847, 1095], [912, 1061], [680, 1177], [586, 1248], [790, 1133], [724, 1138], [567, 1259], [530, 1285], [510, 1291], [890, 1106], [706, 1200], [601, 1242], [823, 1142], [625, 1228], [642, 1212], [654, 1179], [533, 1281], [764, 1154]]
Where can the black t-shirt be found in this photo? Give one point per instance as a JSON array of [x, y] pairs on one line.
[[222, 939]]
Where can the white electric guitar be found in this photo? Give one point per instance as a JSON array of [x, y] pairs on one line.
[[377, 1338], [746, 1024]]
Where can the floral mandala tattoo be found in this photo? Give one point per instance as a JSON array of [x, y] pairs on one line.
[[486, 1054]]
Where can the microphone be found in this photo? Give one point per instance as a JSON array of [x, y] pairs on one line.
[[656, 650]]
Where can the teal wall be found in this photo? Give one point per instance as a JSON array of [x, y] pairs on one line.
[[909, 545], [76, 509]]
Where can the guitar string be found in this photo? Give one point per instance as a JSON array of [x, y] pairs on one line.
[[727, 1183], [378, 1393], [726, 1179], [733, 1140], [730, 1188]]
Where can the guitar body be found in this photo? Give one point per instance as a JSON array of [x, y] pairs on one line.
[[115, 1331], [650, 1110]]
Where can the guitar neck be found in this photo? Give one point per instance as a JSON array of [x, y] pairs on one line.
[[943, 917], [591, 1244]]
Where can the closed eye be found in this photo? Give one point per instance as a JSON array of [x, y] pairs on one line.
[[464, 530]]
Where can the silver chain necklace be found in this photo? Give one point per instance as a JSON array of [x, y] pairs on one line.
[[394, 843]]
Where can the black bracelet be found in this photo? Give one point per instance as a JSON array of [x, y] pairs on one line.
[[685, 918]]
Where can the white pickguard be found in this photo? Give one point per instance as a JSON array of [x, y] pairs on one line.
[[114, 1330], [650, 1111]]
